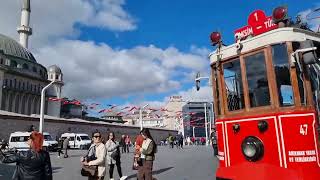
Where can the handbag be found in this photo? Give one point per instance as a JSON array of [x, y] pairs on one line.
[[115, 154], [139, 161], [89, 170]]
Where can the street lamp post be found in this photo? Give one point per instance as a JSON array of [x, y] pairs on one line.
[[42, 105], [193, 131], [140, 113], [205, 122]]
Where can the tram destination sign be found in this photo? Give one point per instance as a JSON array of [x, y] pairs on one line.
[[258, 23]]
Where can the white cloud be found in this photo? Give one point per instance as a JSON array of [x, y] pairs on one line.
[[93, 71], [204, 94], [98, 71], [52, 19]]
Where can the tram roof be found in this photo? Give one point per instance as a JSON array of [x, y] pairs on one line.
[[280, 35]]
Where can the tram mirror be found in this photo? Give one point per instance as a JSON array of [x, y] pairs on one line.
[[198, 81], [309, 55]]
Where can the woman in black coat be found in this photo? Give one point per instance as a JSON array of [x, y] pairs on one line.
[[33, 164]]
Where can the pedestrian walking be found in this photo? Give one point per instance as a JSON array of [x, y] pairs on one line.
[[213, 138], [136, 159], [147, 150], [4, 144], [188, 141], [60, 147], [171, 140], [123, 144], [113, 156], [32, 164], [96, 157], [193, 140], [66, 146], [180, 140], [127, 143]]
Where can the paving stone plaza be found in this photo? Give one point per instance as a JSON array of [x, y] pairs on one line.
[[190, 163]]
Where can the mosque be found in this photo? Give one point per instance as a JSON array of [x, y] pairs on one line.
[[22, 77]]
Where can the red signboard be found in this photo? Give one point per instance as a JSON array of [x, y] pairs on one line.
[[258, 23]]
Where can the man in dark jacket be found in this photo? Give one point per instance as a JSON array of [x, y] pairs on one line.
[[122, 143]]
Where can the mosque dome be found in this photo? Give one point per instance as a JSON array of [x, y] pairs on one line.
[[54, 69], [13, 48]]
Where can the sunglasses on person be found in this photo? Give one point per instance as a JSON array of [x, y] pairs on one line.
[[97, 136]]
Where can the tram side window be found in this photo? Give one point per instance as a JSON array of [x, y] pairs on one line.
[[282, 72], [217, 91], [257, 80], [295, 46], [233, 85]]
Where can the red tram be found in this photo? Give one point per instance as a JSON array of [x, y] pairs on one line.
[[266, 90]]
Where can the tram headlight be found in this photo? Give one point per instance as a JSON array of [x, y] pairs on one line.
[[252, 148], [280, 14], [215, 38]]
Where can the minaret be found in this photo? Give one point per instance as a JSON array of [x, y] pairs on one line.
[[24, 30]]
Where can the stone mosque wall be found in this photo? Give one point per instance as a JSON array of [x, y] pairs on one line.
[[56, 127]]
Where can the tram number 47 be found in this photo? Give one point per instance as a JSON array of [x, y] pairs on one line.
[[304, 129]]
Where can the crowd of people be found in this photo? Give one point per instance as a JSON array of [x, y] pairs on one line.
[[35, 163], [179, 141]]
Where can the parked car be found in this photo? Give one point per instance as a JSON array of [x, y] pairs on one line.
[[77, 140], [18, 140]]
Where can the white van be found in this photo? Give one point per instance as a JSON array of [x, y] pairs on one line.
[[77, 140], [18, 140]]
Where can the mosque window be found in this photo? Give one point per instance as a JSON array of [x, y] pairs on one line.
[[1, 60], [40, 72], [23, 84], [51, 76], [27, 86], [15, 83], [13, 64], [57, 76], [7, 62], [25, 66], [10, 85], [34, 69], [5, 82], [19, 85]]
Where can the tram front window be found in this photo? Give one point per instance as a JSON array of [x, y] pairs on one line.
[[257, 80], [233, 85], [281, 67]]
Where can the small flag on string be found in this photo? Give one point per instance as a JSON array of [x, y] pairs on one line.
[[125, 108]]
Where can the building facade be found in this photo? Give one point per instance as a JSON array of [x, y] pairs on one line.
[[22, 78], [170, 113], [194, 118]]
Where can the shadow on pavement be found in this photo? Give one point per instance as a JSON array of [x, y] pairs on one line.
[[153, 172], [6, 171], [55, 169]]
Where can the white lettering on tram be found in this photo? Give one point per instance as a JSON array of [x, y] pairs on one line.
[[302, 156], [220, 155]]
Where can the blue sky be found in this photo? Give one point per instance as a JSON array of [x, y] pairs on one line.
[[184, 23], [133, 52]]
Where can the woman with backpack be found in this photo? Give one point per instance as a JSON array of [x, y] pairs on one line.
[[148, 149], [113, 156]]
